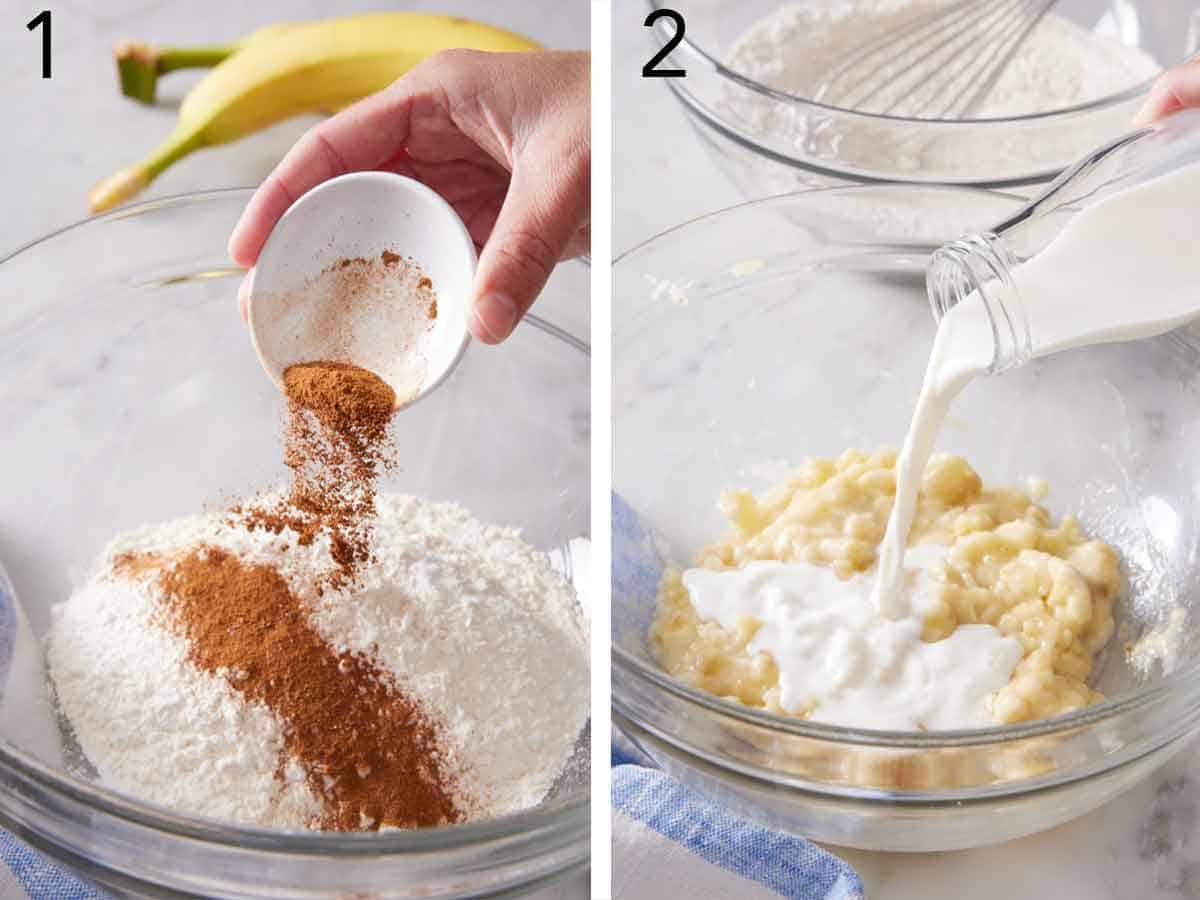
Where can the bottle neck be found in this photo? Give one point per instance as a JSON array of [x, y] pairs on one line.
[[979, 269]]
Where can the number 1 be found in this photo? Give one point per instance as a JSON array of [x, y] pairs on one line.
[[43, 18]]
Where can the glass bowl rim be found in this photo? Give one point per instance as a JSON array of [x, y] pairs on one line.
[[1186, 677], [783, 96], [572, 812]]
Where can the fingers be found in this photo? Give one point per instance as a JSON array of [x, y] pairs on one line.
[[1176, 89], [360, 137], [546, 212], [542, 214]]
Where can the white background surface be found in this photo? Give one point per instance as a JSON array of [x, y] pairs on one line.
[[1143, 846], [64, 134]]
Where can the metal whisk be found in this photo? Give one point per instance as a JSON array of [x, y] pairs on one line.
[[941, 65]]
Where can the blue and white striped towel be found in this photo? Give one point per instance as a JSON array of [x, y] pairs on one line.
[[666, 834], [30, 876]]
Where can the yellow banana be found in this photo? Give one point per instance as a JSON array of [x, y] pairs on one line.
[[310, 67]]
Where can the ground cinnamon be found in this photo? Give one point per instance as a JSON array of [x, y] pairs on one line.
[[352, 406], [368, 751], [336, 445]]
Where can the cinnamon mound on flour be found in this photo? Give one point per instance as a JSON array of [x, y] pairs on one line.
[[370, 753]]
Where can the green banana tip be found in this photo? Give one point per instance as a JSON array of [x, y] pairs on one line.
[[137, 68]]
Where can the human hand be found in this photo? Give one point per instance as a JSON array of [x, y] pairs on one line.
[[1175, 89], [503, 137]]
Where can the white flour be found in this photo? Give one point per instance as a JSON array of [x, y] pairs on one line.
[[472, 621], [477, 624], [155, 726], [1060, 65]]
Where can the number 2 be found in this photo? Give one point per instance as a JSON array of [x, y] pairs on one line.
[[649, 70], [43, 19]]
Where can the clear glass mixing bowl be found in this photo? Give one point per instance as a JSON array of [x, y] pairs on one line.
[[129, 394], [799, 326], [770, 142]]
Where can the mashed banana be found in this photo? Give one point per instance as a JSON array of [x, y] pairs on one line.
[[1049, 587]]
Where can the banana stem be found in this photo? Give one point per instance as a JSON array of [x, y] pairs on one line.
[[131, 180], [139, 65], [172, 58]]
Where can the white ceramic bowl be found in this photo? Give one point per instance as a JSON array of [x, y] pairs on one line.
[[298, 300]]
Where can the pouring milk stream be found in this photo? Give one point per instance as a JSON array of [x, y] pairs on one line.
[[1121, 269]]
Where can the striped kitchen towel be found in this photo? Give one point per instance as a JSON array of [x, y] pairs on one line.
[[30, 876], [667, 835]]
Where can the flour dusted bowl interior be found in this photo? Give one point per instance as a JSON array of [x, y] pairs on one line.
[[771, 138], [755, 337], [132, 396]]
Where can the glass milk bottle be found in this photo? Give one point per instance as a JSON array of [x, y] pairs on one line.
[[1108, 252]]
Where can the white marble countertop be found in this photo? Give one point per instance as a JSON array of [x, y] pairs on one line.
[[663, 174], [1142, 846], [64, 134]]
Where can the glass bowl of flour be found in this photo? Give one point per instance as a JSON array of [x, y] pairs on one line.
[[797, 327], [133, 396], [753, 69]]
